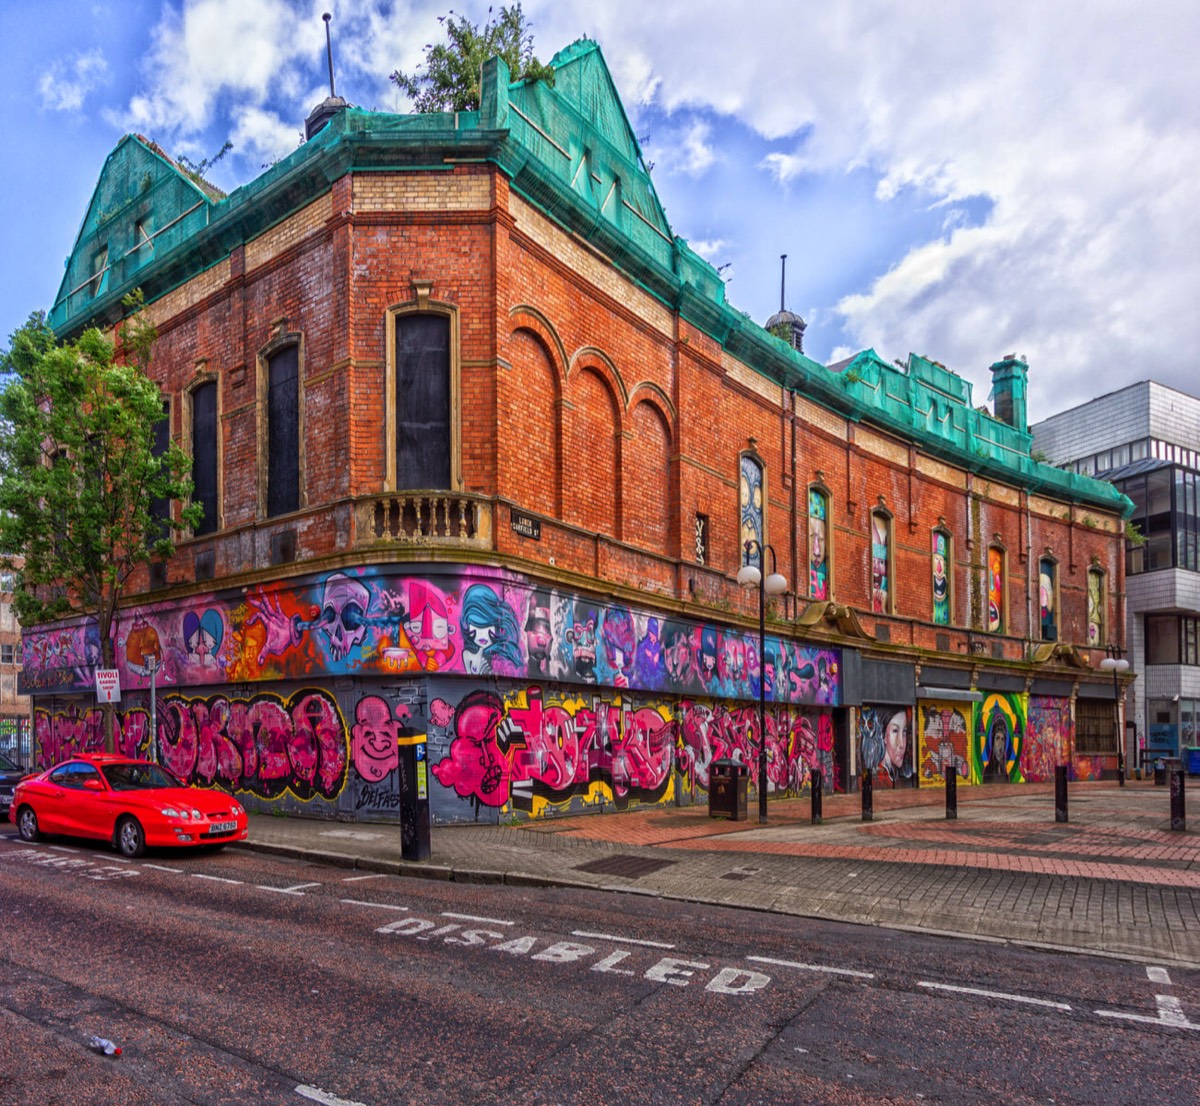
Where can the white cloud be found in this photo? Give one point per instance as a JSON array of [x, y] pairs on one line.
[[67, 83]]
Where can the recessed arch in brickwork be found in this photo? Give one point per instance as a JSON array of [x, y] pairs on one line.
[[533, 406], [526, 317], [647, 475], [591, 454]]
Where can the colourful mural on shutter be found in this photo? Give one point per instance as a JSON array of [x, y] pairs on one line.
[[885, 744], [999, 737], [944, 735], [1049, 737]]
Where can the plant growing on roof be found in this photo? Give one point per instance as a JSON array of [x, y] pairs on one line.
[[79, 473], [1133, 534], [451, 80]]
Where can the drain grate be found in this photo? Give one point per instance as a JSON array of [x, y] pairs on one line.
[[742, 873], [634, 867]]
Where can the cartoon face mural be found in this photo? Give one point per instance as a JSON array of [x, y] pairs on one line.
[[818, 537], [885, 745], [941, 579], [995, 556], [751, 496], [1047, 577], [373, 738], [880, 560], [376, 622], [1095, 607]]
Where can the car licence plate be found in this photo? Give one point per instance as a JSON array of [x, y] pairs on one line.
[[222, 827]]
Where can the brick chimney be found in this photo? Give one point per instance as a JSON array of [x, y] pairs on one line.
[[1010, 382]]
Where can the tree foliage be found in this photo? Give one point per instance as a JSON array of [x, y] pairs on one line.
[[453, 69], [79, 475]]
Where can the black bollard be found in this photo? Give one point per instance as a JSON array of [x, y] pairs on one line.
[[816, 781], [1178, 815], [951, 793], [1060, 793], [868, 798]]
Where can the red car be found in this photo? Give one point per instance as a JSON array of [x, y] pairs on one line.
[[131, 803]]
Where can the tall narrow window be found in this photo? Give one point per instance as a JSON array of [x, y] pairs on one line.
[[881, 568], [818, 544], [1048, 597], [283, 431], [751, 497], [204, 454], [1095, 607], [160, 508], [423, 430], [942, 568], [995, 589]]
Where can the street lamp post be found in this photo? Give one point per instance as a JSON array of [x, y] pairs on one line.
[[749, 575], [1116, 664]]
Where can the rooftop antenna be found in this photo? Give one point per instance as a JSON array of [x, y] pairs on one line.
[[329, 52], [782, 278]]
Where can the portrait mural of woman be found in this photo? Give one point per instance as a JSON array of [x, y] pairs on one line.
[[880, 541], [941, 578], [818, 536]]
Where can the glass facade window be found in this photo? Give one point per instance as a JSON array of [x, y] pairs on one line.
[[1173, 639], [1160, 522]]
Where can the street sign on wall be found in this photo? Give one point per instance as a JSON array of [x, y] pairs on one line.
[[108, 685]]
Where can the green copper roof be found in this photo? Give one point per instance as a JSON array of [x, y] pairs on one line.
[[568, 149]]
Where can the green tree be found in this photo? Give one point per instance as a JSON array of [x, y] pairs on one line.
[[79, 474], [452, 70]]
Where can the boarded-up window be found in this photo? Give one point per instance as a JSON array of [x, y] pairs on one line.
[[283, 431], [423, 401], [160, 507], [204, 454], [1095, 727]]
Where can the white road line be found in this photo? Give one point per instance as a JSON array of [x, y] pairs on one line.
[[325, 1098], [1170, 1013], [356, 879], [217, 879], [164, 868], [121, 859], [620, 940], [280, 890], [63, 849], [1158, 975], [476, 918], [995, 994], [300, 886], [812, 967], [381, 905]]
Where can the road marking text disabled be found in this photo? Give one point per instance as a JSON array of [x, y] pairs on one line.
[[668, 969]]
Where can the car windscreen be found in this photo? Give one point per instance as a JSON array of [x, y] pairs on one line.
[[7, 765], [137, 777]]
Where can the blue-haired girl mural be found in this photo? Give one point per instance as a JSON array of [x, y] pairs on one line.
[[491, 638]]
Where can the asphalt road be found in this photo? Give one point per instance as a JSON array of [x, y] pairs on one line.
[[244, 978]]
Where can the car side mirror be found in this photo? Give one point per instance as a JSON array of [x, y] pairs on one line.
[[93, 785]]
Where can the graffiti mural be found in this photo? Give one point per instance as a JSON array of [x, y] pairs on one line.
[[881, 555], [995, 592], [66, 732], [999, 738], [265, 745], [818, 539], [371, 622], [945, 740], [530, 749], [1049, 738], [941, 578], [885, 744]]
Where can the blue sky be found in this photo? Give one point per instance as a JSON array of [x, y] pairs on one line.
[[962, 179]]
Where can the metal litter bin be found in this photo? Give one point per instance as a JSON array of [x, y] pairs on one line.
[[727, 783]]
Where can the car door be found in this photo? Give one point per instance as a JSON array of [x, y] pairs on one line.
[[88, 803], [52, 798]]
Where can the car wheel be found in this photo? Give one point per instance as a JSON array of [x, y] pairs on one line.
[[27, 824], [131, 838]]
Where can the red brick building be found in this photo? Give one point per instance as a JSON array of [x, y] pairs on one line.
[[482, 448]]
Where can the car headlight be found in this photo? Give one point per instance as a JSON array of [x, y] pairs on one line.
[[171, 812], [196, 814], [181, 812]]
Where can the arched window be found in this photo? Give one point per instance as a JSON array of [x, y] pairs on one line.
[[881, 562], [422, 394], [281, 427], [1095, 607], [1048, 597], [751, 495], [942, 570], [996, 612], [206, 450], [819, 552]]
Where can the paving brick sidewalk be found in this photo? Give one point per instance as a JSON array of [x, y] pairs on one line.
[[1114, 879]]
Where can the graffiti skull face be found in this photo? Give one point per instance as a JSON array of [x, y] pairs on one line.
[[343, 611]]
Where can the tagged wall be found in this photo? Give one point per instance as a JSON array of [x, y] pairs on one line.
[[1050, 737], [944, 730]]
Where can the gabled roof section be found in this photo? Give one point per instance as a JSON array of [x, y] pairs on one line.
[[143, 206], [579, 132]]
